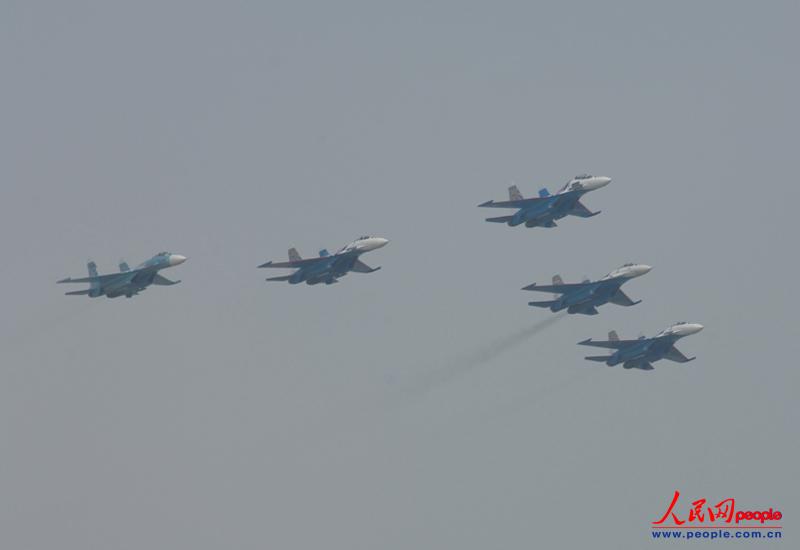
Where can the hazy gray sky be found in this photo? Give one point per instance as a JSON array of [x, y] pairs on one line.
[[381, 412]]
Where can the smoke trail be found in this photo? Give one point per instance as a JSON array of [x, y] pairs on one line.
[[460, 366]]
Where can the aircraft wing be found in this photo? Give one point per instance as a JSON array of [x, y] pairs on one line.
[[611, 344], [102, 279], [298, 263], [161, 280], [641, 365], [622, 299], [580, 210], [673, 354], [521, 203], [361, 267], [557, 289]]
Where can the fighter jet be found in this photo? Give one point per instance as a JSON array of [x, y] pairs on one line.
[[584, 297], [327, 267], [127, 282], [544, 210], [640, 353]]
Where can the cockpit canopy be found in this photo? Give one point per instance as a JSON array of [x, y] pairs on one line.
[[583, 176], [364, 237], [164, 254], [628, 265]]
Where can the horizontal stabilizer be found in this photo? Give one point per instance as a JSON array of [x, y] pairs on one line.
[[281, 278], [500, 219], [598, 358], [78, 293], [548, 303]]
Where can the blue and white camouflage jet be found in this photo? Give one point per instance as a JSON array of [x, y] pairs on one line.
[[640, 353], [586, 296], [544, 210], [128, 282], [327, 267]]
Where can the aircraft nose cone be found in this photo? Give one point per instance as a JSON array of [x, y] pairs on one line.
[[595, 182], [697, 327], [382, 242], [644, 269], [176, 259]]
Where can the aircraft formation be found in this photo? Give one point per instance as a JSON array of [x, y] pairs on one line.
[[585, 297], [542, 211]]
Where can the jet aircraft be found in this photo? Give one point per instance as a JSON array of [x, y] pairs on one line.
[[327, 267], [544, 210], [640, 353], [584, 297], [127, 282]]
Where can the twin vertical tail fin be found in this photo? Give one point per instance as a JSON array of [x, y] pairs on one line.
[[294, 255], [94, 286], [514, 194], [544, 193], [123, 266], [557, 281], [613, 336]]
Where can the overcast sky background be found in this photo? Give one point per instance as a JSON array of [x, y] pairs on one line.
[[402, 409]]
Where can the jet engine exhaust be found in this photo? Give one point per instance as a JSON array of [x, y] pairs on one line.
[[461, 366]]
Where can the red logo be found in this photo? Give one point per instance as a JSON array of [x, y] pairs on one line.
[[700, 514]]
